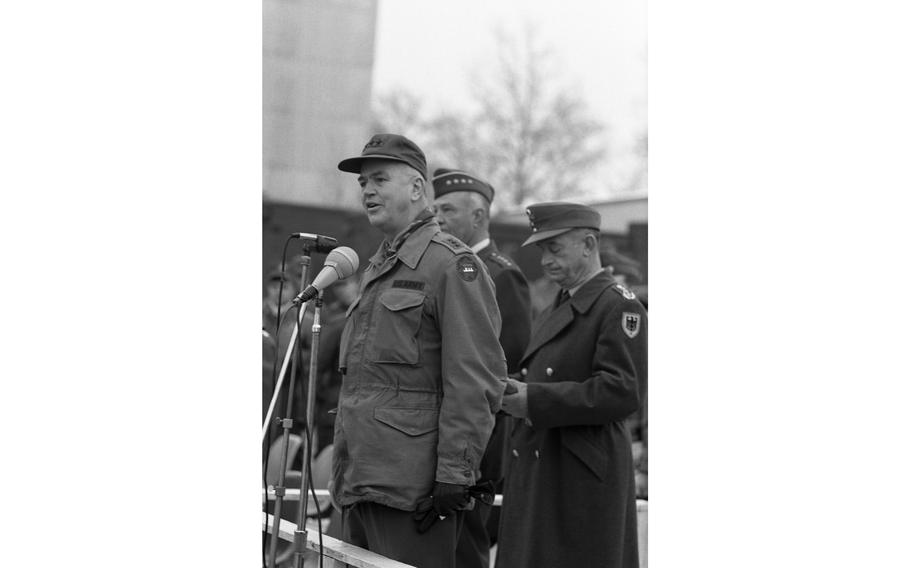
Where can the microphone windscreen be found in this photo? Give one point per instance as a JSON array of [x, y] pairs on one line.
[[344, 260]]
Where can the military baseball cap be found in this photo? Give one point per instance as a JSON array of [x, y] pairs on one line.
[[446, 181], [388, 147], [549, 220]]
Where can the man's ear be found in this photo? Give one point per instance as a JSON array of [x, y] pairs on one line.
[[418, 189], [477, 216], [591, 246]]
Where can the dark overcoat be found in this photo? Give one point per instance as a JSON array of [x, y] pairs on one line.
[[569, 495], [513, 296]]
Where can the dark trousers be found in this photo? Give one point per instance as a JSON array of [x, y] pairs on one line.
[[393, 533], [473, 550]]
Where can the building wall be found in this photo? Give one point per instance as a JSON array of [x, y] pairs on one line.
[[351, 228], [617, 215], [317, 71]]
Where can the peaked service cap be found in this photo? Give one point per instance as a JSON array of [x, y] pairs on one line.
[[553, 219], [447, 181]]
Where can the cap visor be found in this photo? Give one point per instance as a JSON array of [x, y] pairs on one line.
[[353, 165], [544, 235]]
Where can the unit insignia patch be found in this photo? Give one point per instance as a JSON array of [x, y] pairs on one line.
[[631, 324], [467, 269]]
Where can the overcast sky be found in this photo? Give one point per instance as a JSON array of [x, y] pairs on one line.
[[429, 47]]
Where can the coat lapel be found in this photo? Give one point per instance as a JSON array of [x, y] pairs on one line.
[[551, 323], [554, 321]]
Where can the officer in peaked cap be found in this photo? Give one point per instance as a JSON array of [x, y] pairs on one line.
[[581, 376], [462, 206], [423, 372]]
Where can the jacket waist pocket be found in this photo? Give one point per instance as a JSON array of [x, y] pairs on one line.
[[408, 420], [592, 456]]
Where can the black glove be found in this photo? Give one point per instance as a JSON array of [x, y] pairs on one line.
[[446, 499], [484, 491], [425, 516]]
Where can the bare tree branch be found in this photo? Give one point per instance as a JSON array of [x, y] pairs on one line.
[[531, 139]]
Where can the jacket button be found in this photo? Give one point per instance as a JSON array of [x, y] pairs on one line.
[[524, 372], [549, 372], [536, 455], [515, 453]]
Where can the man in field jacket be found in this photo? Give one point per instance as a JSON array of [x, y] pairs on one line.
[[423, 369]]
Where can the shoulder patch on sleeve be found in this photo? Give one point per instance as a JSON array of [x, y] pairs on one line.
[[467, 268], [623, 291], [631, 324]]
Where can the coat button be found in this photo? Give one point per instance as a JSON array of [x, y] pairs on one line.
[[549, 372], [515, 453], [536, 455], [524, 372]]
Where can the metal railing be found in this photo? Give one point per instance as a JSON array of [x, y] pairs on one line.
[[351, 555], [340, 551]]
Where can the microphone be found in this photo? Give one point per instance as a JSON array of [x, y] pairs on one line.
[[322, 243], [339, 264]]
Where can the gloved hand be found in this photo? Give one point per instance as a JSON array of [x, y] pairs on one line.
[[449, 497], [485, 491], [446, 499]]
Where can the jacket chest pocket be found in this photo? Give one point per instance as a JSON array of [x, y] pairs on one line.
[[398, 326]]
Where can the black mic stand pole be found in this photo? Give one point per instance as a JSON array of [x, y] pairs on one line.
[[300, 532], [287, 422]]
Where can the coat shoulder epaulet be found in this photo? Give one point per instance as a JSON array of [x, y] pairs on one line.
[[451, 243], [623, 291], [503, 261]]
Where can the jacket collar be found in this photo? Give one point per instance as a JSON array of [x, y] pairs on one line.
[[585, 296], [483, 244], [488, 250], [410, 244]]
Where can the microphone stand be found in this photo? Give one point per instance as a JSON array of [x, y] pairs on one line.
[[286, 422], [284, 366], [300, 532]]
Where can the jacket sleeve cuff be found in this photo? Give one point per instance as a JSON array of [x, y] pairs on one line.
[[456, 475]]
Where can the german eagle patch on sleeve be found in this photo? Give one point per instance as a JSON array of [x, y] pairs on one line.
[[467, 268], [631, 323]]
